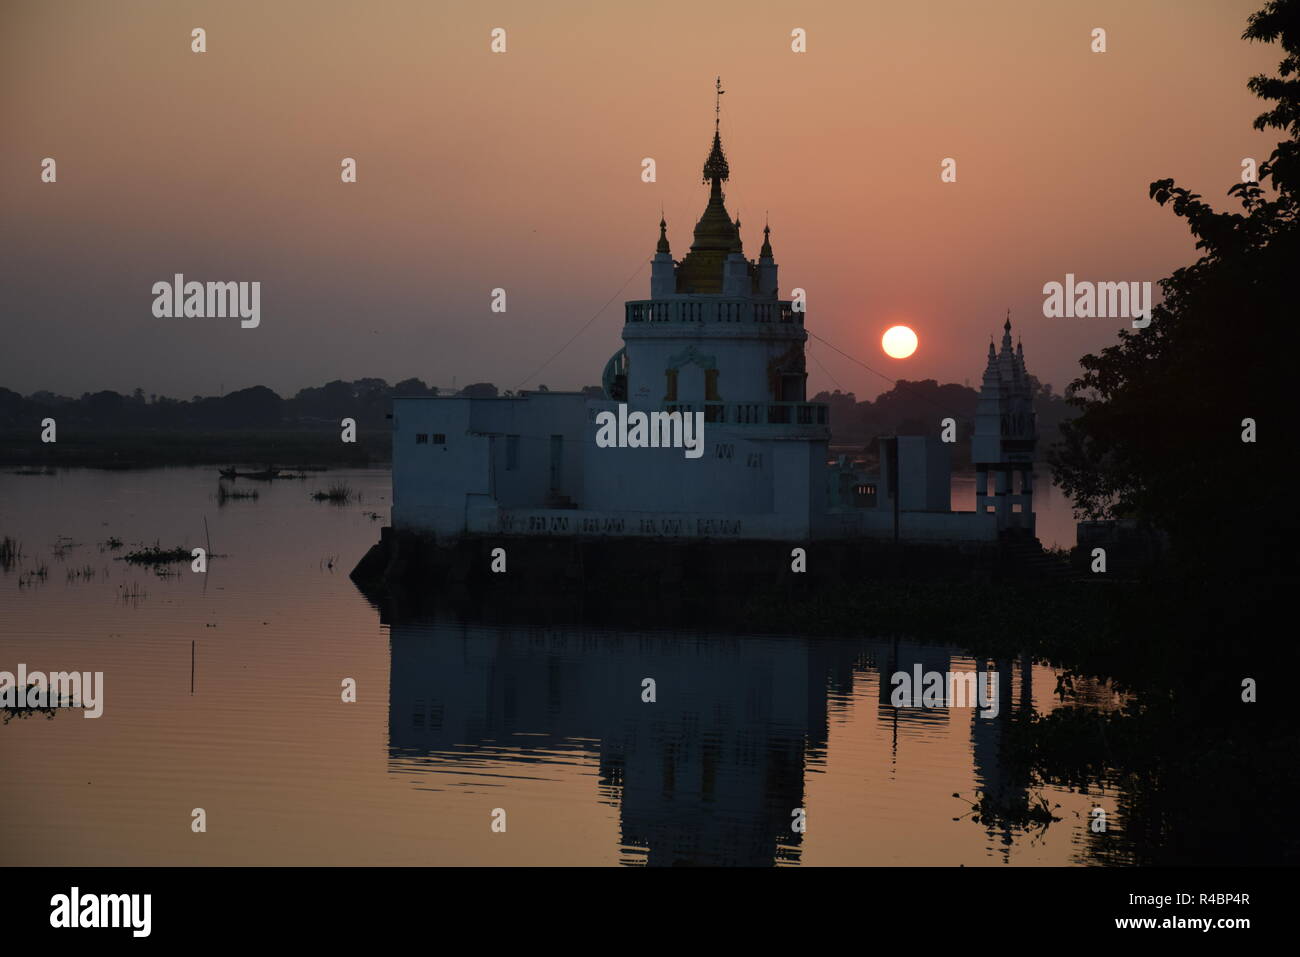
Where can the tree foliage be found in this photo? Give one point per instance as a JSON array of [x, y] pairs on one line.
[[1159, 434]]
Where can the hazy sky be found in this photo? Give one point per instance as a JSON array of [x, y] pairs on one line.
[[522, 170]]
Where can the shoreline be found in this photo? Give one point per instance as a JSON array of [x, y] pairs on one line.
[[161, 449]]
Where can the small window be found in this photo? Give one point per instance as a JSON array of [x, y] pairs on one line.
[[439, 439], [421, 438]]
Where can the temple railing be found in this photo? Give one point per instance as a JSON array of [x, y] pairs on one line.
[[712, 310], [756, 413]]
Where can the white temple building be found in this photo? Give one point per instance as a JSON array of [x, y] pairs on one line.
[[716, 341]]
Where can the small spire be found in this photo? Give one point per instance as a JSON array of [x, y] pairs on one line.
[[766, 251], [663, 236]]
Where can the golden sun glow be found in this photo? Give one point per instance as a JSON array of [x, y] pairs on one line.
[[899, 342]]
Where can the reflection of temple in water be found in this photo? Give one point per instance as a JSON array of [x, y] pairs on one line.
[[1015, 690], [709, 773]]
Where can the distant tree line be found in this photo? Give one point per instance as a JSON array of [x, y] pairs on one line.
[[367, 400], [909, 408]]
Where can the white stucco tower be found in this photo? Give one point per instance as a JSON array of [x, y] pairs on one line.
[[1006, 436], [714, 336]]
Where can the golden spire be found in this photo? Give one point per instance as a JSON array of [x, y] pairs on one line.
[[716, 235], [715, 167]]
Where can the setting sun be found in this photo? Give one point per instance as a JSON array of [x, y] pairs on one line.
[[899, 342]]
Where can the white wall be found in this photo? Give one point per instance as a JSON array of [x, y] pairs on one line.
[[741, 351]]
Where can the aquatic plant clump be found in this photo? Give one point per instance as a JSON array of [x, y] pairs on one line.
[[339, 494], [153, 555]]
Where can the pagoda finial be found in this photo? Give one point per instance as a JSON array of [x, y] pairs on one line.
[[766, 251], [715, 167], [663, 235]]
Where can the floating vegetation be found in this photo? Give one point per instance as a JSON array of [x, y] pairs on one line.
[[340, 493], [27, 711], [1022, 810], [34, 575], [153, 555], [373, 516], [32, 471], [10, 551], [132, 594], [84, 573], [62, 545], [111, 545], [225, 494]]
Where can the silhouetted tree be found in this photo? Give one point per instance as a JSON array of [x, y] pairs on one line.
[[1159, 436], [413, 388]]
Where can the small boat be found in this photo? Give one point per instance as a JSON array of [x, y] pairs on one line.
[[264, 475]]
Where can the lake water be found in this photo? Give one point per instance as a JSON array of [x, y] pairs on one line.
[[455, 722]]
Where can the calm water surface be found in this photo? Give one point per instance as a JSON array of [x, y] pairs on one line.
[[453, 719]]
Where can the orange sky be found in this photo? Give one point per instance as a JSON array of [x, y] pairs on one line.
[[522, 171]]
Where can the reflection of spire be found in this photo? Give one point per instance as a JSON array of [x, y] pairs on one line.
[[708, 786]]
